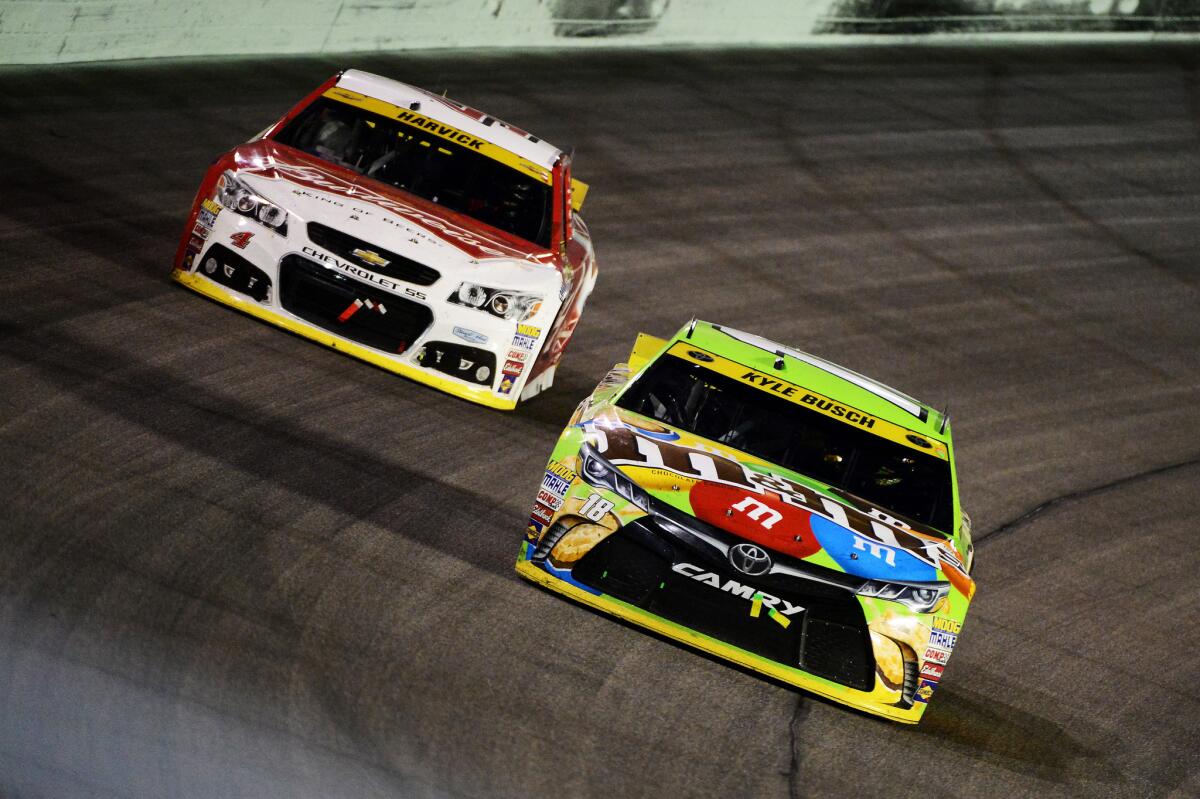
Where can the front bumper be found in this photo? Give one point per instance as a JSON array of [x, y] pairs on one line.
[[802, 623], [409, 328], [213, 290], [878, 700]]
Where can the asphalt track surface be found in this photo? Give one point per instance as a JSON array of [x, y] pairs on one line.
[[234, 563]]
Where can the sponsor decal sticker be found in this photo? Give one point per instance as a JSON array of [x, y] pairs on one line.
[[701, 356], [524, 342], [200, 231], [925, 691], [541, 513], [942, 640], [562, 470], [507, 381], [208, 214], [937, 656], [512, 367], [551, 500], [555, 485], [529, 330], [467, 334], [932, 671], [518, 355], [949, 625]]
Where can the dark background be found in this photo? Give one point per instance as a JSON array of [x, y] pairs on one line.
[[905, 17], [233, 563]]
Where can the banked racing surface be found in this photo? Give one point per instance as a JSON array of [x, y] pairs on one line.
[[238, 564]]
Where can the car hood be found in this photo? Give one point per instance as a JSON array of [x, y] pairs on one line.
[[770, 506], [313, 190]]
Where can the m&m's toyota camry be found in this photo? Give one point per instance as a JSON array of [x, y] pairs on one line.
[[765, 506], [402, 228]]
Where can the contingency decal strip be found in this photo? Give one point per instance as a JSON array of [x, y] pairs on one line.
[[442, 130], [846, 414]]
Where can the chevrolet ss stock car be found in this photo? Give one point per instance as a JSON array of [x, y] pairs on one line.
[[402, 228], [767, 507]]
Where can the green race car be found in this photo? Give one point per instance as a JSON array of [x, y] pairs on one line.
[[765, 506]]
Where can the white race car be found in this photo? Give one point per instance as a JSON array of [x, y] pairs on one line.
[[402, 228]]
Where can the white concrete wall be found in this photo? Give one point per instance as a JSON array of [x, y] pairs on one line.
[[57, 31]]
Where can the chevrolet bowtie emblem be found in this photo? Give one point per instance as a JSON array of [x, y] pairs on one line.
[[372, 258]]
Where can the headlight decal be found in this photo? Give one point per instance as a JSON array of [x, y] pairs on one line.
[[920, 598], [598, 472], [517, 306], [235, 195]]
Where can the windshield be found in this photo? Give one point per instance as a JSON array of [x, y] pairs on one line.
[[891, 476], [424, 164]]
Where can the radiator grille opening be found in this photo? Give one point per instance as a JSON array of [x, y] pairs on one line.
[[828, 638], [370, 257], [352, 309]]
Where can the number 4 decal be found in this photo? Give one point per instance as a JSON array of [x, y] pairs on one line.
[[595, 507]]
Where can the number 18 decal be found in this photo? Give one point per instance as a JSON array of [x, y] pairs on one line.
[[595, 507]]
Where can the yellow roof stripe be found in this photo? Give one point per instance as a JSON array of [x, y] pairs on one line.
[[442, 130], [773, 384]]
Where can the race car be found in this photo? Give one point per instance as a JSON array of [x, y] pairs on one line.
[[765, 506], [405, 229]]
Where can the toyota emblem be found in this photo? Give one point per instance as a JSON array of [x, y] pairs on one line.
[[749, 559]]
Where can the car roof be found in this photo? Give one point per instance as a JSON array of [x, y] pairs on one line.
[[451, 112], [817, 374]]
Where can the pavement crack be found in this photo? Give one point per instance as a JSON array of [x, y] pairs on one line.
[[798, 715], [1073, 496]]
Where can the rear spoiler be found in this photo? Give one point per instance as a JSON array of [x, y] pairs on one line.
[[645, 348], [579, 191]]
